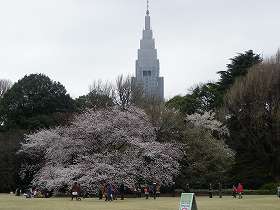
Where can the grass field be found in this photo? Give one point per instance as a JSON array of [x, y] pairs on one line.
[[9, 202]]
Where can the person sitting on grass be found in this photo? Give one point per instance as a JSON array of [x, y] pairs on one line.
[[18, 192], [28, 194]]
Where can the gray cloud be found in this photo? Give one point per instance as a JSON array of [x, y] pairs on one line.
[[79, 41]]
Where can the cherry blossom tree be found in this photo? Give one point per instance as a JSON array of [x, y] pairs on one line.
[[208, 157], [207, 121], [105, 145]]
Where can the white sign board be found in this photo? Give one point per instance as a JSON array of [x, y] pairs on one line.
[[188, 202]]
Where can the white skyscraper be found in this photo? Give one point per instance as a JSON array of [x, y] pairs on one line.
[[147, 73]]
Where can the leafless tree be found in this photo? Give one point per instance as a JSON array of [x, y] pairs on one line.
[[102, 88], [124, 91], [275, 59], [4, 86]]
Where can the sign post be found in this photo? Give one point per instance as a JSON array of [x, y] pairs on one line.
[[188, 202]]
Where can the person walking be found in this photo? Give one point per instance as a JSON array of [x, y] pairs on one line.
[[109, 192], [154, 190], [139, 191], [115, 192], [158, 190], [80, 193], [122, 191], [234, 191], [210, 191], [75, 191], [106, 192], [240, 190], [146, 192], [100, 192], [278, 191], [220, 190], [188, 188]]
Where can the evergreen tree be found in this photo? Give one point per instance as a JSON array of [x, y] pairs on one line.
[[32, 103], [35, 102], [253, 107], [238, 67]]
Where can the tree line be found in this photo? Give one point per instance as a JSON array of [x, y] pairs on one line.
[[246, 100], [228, 130]]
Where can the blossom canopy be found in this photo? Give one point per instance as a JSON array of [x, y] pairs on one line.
[[110, 145]]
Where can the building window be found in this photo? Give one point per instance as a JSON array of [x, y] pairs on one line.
[[147, 73]]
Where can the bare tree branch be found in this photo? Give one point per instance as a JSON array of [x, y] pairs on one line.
[[124, 91], [5, 85], [101, 88]]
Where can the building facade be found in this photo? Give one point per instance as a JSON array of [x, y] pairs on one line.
[[147, 74]]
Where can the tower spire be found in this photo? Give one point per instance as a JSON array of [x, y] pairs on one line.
[[147, 18], [148, 11]]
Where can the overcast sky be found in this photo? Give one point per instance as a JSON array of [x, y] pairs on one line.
[[79, 41]]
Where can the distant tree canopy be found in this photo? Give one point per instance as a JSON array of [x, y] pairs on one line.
[[35, 102], [210, 96], [201, 99]]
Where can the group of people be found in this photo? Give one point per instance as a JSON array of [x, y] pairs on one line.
[[110, 192], [152, 190], [34, 193], [237, 191], [220, 188]]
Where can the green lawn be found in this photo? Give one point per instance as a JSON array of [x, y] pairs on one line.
[[9, 202]]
